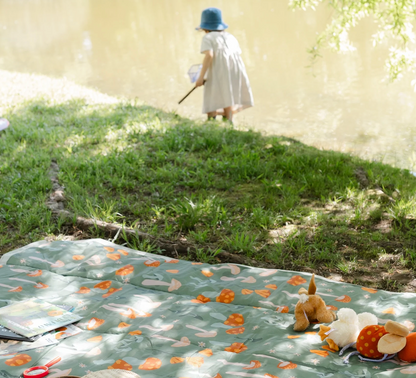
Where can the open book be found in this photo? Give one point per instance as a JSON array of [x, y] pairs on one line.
[[34, 317]]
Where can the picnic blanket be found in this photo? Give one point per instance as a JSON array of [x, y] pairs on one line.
[[162, 317]]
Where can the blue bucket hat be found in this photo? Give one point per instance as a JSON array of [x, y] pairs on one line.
[[211, 19]]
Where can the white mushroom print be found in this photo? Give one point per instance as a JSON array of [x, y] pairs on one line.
[[184, 341], [233, 268], [285, 365], [12, 288], [268, 273], [249, 279], [30, 273], [94, 260], [173, 285], [167, 327], [126, 311], [150, 304], [203, 332], [254, 364], [148, 261], [342, 298], [57, 264], [278, 307], [37, 285]]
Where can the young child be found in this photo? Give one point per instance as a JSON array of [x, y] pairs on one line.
[[227, 88]]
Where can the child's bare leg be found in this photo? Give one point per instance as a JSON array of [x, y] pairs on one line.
[[212, 115], [228, 113]]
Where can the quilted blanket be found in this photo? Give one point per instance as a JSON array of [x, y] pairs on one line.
[[162, 317]]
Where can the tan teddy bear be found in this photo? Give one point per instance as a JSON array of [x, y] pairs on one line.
[[311, 307]]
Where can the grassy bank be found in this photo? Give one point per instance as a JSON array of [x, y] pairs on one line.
[[271, 199]]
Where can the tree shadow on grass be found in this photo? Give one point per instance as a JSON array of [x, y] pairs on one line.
[[269, 199]]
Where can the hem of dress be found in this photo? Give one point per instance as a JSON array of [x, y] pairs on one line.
[[236, 109]]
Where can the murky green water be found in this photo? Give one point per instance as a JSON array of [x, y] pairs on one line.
[[143, 48]]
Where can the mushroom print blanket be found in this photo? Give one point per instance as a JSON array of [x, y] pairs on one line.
[[162, 317]]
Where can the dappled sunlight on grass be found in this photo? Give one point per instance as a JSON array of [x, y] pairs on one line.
[[269, 198]]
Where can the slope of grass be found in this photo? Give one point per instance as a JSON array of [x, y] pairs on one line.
[[269, 198]]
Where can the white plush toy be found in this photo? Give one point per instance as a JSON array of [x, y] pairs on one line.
[[345, 330]]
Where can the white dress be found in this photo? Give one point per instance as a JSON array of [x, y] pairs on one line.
[[226, 83]]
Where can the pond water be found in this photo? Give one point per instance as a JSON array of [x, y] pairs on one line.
[[143, 48]]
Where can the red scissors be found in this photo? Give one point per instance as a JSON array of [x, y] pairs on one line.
[[40, 371]]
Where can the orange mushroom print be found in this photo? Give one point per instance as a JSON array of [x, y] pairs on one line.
[[235, 331], [123, 252], [287, 365], [12, 289], [94, 323], [342, 298], [135, 333], [104, 285], [176, 360], [152, 263], [36, 273], [322, 353], [332, 308], [111, 291], [246, 291], [263, 293], [78, 257], [282, 309], [125, 270], [40, 285], [206, 352], [296, 281], [151, 363], [121, 364], [195, 361], [235, 320], [389, 310], [18, 360], [201, 299], [254, 364], [124, 325], [236, 348], [109, 249], [95, 339], [271, 286], [370, 290], [83, 290], [226, 296], [172, 261], [207, 273], [114, 256]]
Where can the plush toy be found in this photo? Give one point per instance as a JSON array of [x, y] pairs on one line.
[[345, 330], [378, 343], [311, 307], [408, 353]]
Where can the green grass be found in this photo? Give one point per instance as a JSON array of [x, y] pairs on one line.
[[214, 186]]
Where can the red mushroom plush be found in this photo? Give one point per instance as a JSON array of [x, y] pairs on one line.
[[377, 343]]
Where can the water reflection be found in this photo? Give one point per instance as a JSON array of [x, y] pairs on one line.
[[143, 48]]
